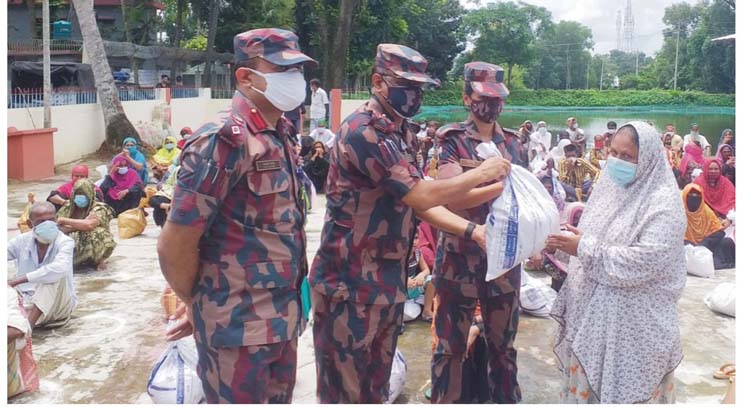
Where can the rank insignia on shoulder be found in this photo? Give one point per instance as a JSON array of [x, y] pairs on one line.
[[268, 165]]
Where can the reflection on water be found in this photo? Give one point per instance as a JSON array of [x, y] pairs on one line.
[[594, 122]]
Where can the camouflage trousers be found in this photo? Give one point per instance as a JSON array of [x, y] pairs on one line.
[[354, 348], [257, 374], [452, 319]]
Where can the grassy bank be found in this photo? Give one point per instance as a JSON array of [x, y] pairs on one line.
[[590, 98]]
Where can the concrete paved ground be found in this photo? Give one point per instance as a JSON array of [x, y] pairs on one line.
[[105, 353]]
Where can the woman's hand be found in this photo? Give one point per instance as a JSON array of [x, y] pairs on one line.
[[184, 327], [568, 244], [121, 194]]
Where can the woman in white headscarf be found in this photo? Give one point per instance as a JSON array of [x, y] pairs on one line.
[[619, 337]]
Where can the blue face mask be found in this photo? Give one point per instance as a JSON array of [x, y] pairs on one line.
[[46, 232], [621, 172], [169, 146], [122, 170], [132, 150], [81, 201]]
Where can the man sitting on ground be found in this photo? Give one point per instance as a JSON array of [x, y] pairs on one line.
[[577, 175], [44, 268]]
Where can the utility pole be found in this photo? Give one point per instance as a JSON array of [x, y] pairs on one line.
[[46, 68], [676, 57], [567, 67], [636, 62], [588, 72], [601, 78]]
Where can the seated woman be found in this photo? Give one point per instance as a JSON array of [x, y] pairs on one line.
[[420, 288], [316, 166], [692, 159], [60, 196], [162, 200], [164, 157], [122, 187], [705, 229], [725, 154], [136, 159], [86, 221], [718, 191]]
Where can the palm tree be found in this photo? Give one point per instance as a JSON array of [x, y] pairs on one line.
[[212, 25], [118, 127]]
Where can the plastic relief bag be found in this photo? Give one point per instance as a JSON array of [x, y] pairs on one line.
[[700, 261], [721, 299], [520, 220], [131, 223], [174, 379]]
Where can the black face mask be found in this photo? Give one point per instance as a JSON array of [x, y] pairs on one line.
[[693, 203]]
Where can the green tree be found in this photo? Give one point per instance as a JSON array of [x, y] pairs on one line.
[[505, 33], [435, 30]]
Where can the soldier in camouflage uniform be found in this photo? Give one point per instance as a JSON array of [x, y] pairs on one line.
[[358, 277], [461, 265], [234, 244]]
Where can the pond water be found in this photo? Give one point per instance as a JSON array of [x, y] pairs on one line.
[[712, 121]]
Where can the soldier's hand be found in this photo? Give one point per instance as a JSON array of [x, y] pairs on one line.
[[495, 168], [478, 236]]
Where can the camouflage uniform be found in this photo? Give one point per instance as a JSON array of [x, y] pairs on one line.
[[358, 277], [461, 266], [237, 183]]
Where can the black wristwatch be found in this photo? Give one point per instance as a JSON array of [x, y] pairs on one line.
[[469, 230]]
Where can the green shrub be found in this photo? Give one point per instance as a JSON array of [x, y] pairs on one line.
[[451, 96]]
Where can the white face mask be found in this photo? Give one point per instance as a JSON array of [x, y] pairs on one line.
[[285, 90], [543, 131]]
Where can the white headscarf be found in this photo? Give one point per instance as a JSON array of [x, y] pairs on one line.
[[618, 307]]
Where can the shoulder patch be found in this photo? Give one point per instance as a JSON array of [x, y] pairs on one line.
[[446, 130]]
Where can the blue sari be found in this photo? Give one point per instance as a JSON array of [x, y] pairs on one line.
[[139, 158]]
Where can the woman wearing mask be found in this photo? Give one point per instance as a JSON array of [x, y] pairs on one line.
[[718, 191], [164, 157], [86, 221], [63, 193], [619, 337], [136, 160], [123, 189], [705, 229]]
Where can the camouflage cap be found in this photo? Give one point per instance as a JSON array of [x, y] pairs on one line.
[[486, 79], [403, 62], [279, 47]]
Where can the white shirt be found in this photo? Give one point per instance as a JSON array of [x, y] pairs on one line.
[[689, 138], [57, 264], [537, 139], [323, 135], [319, 100]]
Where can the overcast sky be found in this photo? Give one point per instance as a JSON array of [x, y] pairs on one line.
[[601, 16]]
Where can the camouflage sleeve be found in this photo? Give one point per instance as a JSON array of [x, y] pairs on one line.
[[381, 160], [202, 183], [448, 165]]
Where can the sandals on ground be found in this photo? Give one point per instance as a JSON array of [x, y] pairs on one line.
[[725, 372]]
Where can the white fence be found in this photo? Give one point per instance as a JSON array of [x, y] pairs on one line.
[[81, 130]]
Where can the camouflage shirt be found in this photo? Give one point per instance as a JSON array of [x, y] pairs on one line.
[[460, 264], [368, 231], [237, 184]]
